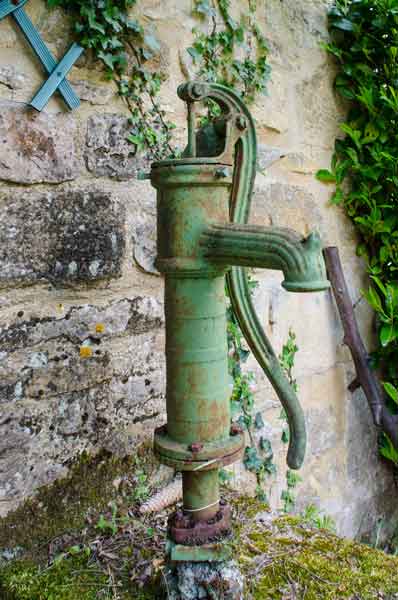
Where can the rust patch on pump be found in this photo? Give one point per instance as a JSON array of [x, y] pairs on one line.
[[184, 530]]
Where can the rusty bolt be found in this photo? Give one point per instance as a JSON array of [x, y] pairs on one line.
[[196, 447], [241, 122], [235, 429], [197, 90]]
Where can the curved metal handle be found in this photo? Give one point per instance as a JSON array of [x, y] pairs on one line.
[[241, 143]]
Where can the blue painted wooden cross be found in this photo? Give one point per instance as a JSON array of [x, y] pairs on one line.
[[57, 71]]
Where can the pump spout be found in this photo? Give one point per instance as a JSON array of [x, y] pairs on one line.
[[300, 259]]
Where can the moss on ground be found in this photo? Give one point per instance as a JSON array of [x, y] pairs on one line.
[[286, 557], [72, 578], [67, 579], [110, 552], [63, 506]]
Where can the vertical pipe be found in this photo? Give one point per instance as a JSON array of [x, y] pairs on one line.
[[198, 391], [201, 494], [197, 362], [197, 379]]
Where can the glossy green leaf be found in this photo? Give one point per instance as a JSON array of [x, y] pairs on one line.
[[391, 390], [343, 24], [387, 334], [325, 176]]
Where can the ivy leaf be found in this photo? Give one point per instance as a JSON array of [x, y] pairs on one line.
[[251, 460], [94, 24], [285, 436], [75, 550], [243, 354], [134, 26], [388, 450], [261, 495], [354, 134], [232, 23], [270, 467], [374, 299], [371, 133], [194, 53], [258, 421], [337, 197], [266, 447], [203, 7], [108, 59]]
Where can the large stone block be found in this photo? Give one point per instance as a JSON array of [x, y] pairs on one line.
[[61, 236], [36, 147], [42, 358], [12, 78], [79, 381], [144, 251], [282, 204], [108, 153]]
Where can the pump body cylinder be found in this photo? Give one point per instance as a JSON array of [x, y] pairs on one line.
[[197, 438]]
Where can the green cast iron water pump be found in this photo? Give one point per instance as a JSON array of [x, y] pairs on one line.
[[203, 202]]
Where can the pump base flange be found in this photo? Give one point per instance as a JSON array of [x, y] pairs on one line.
[[200, 456], [184, 530]]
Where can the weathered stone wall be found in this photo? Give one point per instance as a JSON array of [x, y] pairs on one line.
[[81, 320]]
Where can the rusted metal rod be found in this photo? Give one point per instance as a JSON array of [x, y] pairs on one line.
[[352, 338]]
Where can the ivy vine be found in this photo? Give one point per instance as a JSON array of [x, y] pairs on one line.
[[106, 29], [258, 457], [287, 359], [364, 168], [230, 52]]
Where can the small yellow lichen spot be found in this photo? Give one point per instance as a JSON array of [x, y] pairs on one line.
[[99, 328], [85, 351]]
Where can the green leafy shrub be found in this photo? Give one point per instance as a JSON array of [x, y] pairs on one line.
[[365, 163]]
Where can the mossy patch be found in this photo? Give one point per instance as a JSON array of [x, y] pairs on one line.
[[72, 578], [63, 506], [119, 553], [67, 579], [285, 556], [80, 538]]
